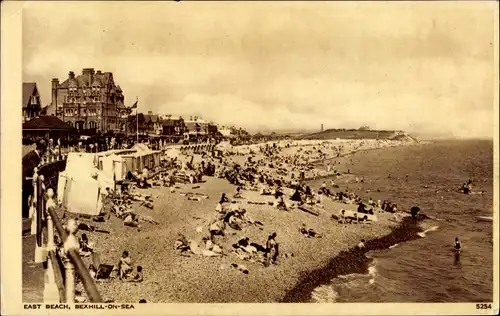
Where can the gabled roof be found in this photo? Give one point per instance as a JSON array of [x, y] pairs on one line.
[[120, 105], [171, 122], [29, 88], [153, 118], [46, 123]]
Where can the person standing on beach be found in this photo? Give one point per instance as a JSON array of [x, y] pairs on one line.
[[458, 245], [271, 250], [29, 162]]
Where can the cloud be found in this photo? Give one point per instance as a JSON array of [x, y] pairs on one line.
[[279, 65]]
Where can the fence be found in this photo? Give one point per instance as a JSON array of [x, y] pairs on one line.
[[61, 261]]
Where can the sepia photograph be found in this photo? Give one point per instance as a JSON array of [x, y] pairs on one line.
[[252, 152]]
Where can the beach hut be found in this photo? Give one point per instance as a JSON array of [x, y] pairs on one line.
[[142, 158]]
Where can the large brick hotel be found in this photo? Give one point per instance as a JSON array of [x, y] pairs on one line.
[[90, 101]]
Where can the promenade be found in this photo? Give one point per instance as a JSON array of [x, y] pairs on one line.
[[33, 273]]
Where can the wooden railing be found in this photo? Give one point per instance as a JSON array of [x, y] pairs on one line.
[[61, 262]]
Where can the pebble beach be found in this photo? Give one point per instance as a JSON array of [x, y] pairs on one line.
[[170, 277]]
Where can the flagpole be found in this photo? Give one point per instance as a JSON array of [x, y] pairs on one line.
[[137, 120]]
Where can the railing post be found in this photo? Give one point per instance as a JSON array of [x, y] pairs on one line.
[[40, 250], [70, 243], [69, 269], [50, 292], [50, 224], [34, 195]]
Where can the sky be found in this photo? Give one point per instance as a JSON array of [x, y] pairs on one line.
[[419, 67]]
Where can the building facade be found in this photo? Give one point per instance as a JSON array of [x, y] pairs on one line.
[[173, 126], [31, 101], [90, 102], [154, 124]]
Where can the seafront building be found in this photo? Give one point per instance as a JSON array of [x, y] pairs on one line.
[[32, 104], [92, 101]]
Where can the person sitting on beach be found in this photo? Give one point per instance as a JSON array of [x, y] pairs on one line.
[[394, 208], [85, 246], [361, 207], [296, 196], [138, 277], [124, 266], [308, 232], [341, 216], [217, 226], [361, 245], [467, 187], [363, 220], [308, 191], [237, 193], [143, 183], [280, 203], [131, 220], [92, 271], [223, 199], [354, 218]]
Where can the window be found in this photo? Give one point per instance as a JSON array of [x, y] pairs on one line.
[[70, 123], [92, 125]]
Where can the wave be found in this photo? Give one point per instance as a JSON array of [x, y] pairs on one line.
[[349, 262], [348, 283], [324, 294], [424, 233]]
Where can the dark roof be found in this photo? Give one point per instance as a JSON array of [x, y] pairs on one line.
[[81, 80], [28, 89], [120, 105], [153, 118], [170, 122], [46, 123], [192, 126]]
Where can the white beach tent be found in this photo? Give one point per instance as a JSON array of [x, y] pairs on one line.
[[82, 184], [172, 153], [223, 146]]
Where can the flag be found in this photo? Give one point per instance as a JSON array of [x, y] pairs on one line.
[[134, 106]]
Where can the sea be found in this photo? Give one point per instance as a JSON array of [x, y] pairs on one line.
[[425, 269]]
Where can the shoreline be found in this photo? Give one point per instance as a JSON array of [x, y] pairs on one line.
[[350, 261]]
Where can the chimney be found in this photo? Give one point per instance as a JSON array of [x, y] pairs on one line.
[[55, 86], [98, 72], [71, 75], [150, 112], [89, 73]]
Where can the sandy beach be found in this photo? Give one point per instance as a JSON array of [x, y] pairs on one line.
[[170, 277]]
